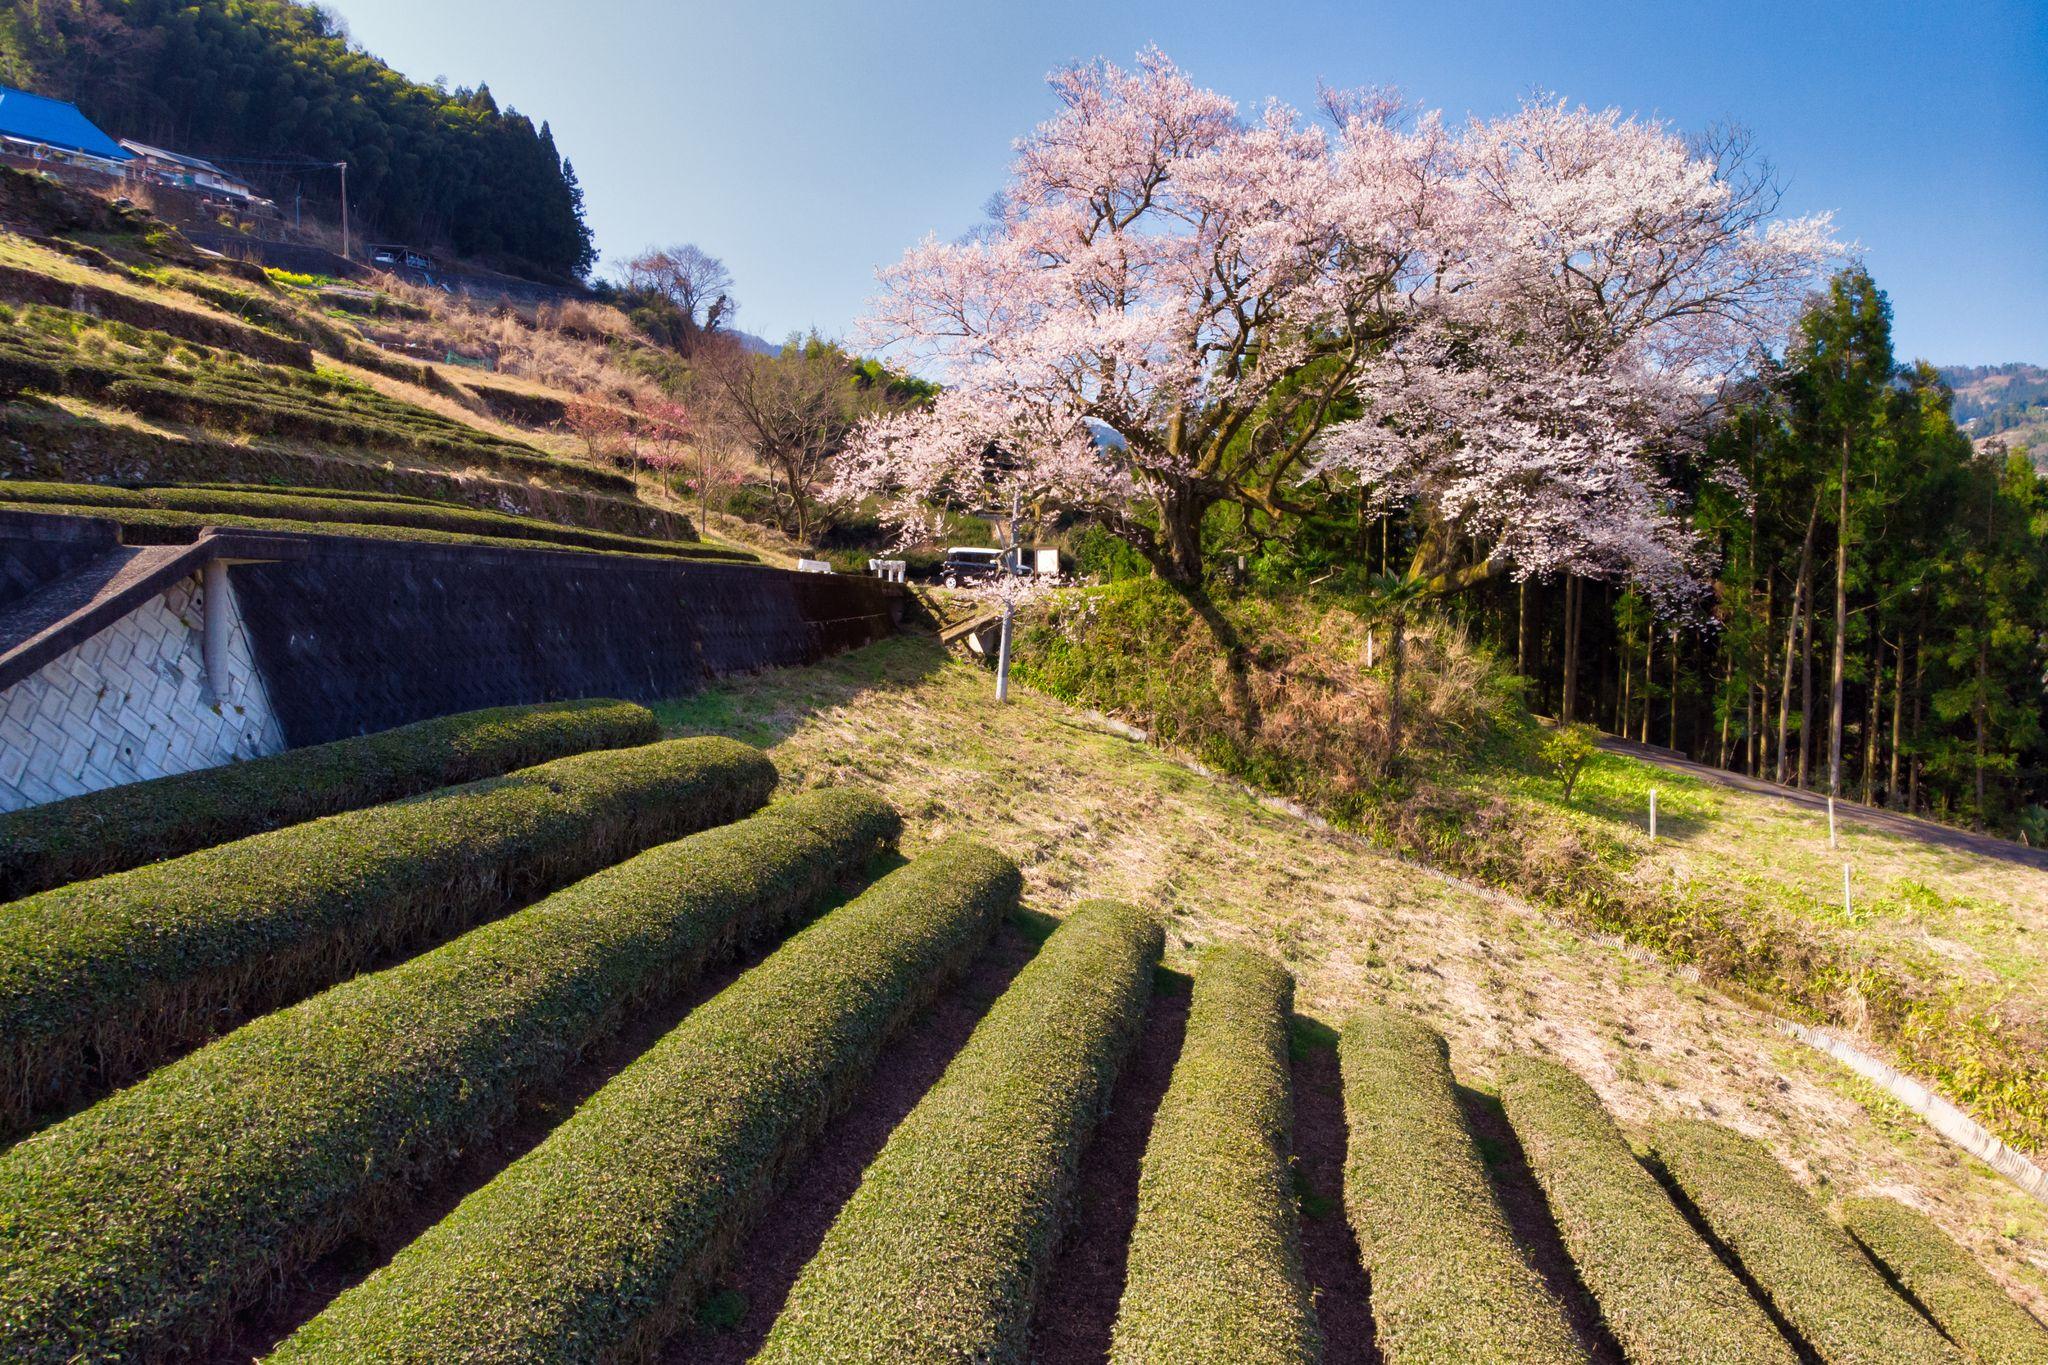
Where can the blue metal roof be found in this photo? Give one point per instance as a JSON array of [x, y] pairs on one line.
[[35, 119]]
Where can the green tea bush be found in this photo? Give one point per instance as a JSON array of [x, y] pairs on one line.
[[1665, 1296], [1815, 1275], [55, 445], [124, 827], [938, 1255], [316, 507], [131, 1229], [1948, 1283], [102, 979], [591, 1245], [1450, 1284], [1215, 1273]]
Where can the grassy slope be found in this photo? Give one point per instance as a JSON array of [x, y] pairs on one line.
[[1087, 814], [175, 290], [1960, 914], [1758, 907]]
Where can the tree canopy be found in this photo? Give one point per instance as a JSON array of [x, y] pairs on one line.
[[271, 79]]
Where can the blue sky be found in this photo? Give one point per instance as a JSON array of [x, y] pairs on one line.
[[806, 144]]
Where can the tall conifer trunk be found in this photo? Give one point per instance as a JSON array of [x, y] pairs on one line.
[[1792, 633], [1836, 668]]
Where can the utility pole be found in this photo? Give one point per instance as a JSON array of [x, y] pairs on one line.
[[345, 253]]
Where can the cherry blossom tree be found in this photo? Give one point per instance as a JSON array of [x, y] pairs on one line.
[[1604, 281], [1175, 306]]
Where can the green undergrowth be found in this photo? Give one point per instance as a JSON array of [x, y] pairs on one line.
[[101, 979], [595, 1244], [1468, 793], [131, 1229], [124, 827]]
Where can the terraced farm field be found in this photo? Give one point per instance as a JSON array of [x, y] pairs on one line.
[[168, 390], [987, 1036]]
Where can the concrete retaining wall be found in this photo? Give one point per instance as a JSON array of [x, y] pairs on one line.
[[365, 635], [133, 702], [104, 666]]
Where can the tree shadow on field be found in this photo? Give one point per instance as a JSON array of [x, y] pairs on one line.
[[765, 708], [1084, 1286], [1329, 1250], [1697, 1221], [734, 1314], [1528, 1215]]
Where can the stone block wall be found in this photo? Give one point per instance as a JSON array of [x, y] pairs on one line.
[[133, 702]]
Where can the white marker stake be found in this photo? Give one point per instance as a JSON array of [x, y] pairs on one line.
[[1848, 906], [1653, 815], [1831, 823]]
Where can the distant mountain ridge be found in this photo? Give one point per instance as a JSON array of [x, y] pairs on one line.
[[2006, 402]]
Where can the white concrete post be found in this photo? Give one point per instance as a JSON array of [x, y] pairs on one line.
[[214, 628], [1653, 815], [1848, 905], [1003, 655]]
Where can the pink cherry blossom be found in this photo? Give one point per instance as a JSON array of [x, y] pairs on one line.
[[1507, 328]]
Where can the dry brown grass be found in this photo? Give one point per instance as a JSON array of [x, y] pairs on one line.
[[559, 347]]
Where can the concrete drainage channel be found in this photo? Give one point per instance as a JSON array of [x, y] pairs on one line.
[[1943, 1116], [1939, 1114]]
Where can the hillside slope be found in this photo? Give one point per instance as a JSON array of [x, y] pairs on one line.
[[281, 82], [2003, 402], [128, 357], [1089, 814]]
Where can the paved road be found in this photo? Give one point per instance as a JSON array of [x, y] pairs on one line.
[[1891, 822]]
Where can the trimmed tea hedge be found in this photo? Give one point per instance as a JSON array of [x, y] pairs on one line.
[[150, 526], [131, 1229], [53, 445], [1818, 1279], [1449, 1282], [322, 507], [1215, 1270], [1663, 1292], [938, 1254], [1948, 1283], [102, 979], [587, 1247], [124, 827]]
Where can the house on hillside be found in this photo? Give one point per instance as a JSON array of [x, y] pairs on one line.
[[51, 133], [187, 172]]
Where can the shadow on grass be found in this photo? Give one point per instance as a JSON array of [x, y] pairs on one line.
[[1528, 1214], [765, 708], [1084, 1286], [1329, 1249], [1726, 1254]]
